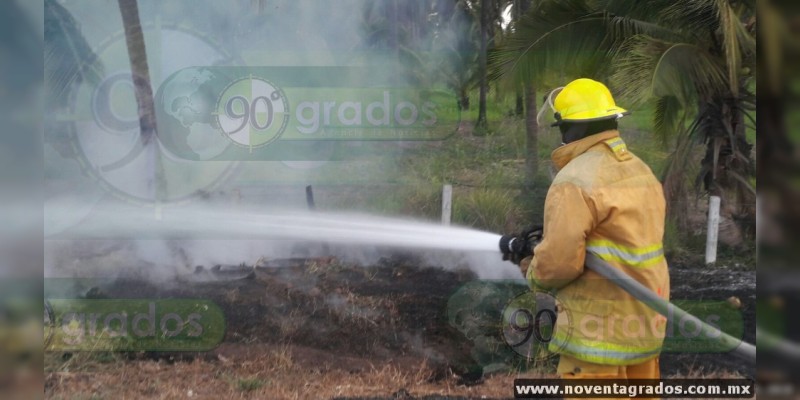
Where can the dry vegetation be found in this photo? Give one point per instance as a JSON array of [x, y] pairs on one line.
[[267, 373], [318, 330]]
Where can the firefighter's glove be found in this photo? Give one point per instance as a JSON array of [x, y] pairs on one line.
[[515, 248]]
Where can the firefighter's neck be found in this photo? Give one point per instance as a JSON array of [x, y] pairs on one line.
[[565, 153]]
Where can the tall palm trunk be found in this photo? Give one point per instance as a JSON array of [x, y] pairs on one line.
[[531, 135], [482, 123], [134, 38], [531, 125], [727, 164], [519, 106], [516, 11], [463, 99], [140, 73]]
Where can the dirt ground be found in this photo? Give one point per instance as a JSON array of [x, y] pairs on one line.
[[314, 328]]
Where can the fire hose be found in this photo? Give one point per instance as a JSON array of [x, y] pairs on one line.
[[515, 250], [740, 348]]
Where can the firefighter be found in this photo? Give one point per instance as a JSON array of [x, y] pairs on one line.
[[607, 201]]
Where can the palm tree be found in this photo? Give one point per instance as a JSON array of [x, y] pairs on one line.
[[402, 30], [490, 15], [143, 91], [528, 96], [693, 59], [435, 42], [69, 60], [134, 38], [455, 49], [516, 14], [482, 124]]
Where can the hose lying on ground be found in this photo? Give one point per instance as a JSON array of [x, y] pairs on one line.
[[740, 348]]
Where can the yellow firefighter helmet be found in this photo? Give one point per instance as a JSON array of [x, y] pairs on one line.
[[585, 100]]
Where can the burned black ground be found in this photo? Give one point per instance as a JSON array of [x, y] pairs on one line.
[[395, 309]]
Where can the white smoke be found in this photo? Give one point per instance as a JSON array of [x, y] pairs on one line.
[[113, 241], [91, 235]]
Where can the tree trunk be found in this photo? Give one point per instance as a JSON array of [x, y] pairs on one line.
[[727, 165], [134, 38], [482, 124], [531, 125], [516, 13], [745, 212], [531, 136], [140, 74], [463, 99]]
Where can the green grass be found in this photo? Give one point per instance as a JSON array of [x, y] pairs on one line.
[[490, 209], [487, 171], [249, 384]]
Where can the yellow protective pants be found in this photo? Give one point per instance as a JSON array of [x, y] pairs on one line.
[[572, 368]]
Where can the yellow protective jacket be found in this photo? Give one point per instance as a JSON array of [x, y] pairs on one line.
[[607, 201]]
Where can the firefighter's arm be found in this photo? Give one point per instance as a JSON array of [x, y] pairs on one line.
[[569, 217]]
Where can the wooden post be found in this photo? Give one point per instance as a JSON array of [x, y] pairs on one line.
[[310, 198], [713, 229], [447, 204]]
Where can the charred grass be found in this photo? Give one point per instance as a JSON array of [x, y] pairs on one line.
[[318, 329]]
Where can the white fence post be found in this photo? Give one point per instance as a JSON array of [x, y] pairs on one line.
[[447, 204], [713, 229]]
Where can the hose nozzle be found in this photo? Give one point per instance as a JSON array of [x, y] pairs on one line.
[[505, 243]]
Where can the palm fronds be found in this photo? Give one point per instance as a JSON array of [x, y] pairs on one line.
[[693, 58], [68, 59], [649, 68]]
